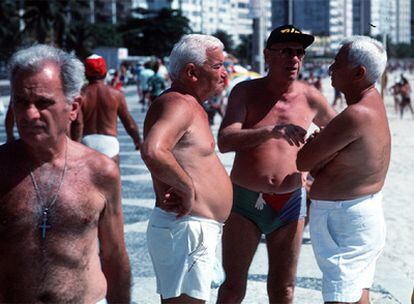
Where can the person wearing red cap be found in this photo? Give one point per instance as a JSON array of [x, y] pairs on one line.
[[96, 125], [265, 124]]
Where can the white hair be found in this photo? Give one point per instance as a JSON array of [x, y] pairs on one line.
[[191, 49], [35, 57], [368, 52]]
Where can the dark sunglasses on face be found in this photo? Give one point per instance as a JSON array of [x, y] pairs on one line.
[[289, 52]]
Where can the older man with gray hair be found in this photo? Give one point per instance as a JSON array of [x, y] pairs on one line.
[[192, 188], [57, 197], [349, 160]]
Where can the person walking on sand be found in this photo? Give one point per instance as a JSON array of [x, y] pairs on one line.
[[405, 92]]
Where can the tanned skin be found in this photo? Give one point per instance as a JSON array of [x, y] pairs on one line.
[[265, 124], [349, 158], [101, 107], [179, 148], [82, 258]]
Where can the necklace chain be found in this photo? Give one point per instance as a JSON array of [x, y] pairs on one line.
[[37, 190]]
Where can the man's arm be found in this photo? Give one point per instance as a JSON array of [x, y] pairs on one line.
[[9, 122], [76, 127], [128, 122], [113, 254], [232, 136], [324, 112], [340, 132], [168, 119]]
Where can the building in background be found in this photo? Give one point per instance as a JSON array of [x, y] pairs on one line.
[[210, 16], [329, 20], [361, 21], [403, 22], [333, 20], [111, 11], [383, 17], [412, 21]]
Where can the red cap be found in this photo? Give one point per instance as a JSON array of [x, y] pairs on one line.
[[95, 66]]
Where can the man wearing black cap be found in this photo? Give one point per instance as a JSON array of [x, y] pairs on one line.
[[265, 124]]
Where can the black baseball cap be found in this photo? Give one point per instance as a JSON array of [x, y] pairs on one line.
[[289, 33]]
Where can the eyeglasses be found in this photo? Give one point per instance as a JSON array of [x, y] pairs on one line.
[[289, 52]]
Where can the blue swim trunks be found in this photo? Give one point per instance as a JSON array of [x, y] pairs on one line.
[[269, 211]]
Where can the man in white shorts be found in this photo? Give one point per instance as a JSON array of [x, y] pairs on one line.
[[96, 125], [349, 160], [193, 190]]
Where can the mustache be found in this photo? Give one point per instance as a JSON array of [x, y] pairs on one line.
[[32, 125]]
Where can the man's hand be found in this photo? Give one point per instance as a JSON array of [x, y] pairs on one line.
[[314, 134], [180, 203], [294, 134]]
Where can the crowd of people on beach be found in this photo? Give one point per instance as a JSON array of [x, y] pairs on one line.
[[61, 220]]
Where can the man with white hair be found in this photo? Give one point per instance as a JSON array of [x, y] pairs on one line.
[[349, 160], [193, 190], [61, 227]]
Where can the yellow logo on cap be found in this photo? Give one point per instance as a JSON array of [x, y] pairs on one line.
[[291, 30]]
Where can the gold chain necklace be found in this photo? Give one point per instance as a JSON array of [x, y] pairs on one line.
[[46, 208]]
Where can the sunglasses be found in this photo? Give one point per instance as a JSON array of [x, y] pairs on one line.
[[289, 52]]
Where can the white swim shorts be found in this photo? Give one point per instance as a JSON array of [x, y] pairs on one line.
[[183, 253], [106, 144], [347, 238]]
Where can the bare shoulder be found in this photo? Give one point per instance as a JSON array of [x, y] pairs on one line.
[[14, 166], [313, 95], [241, 93], [8, 152], [101, 168], [116, 93], [247, 86], [173, 101], [11, 153], [356, 115]]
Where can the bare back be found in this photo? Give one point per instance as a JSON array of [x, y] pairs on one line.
[[65, 266], [271, 165], [360, 143], [182, 120], [100, 109]]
